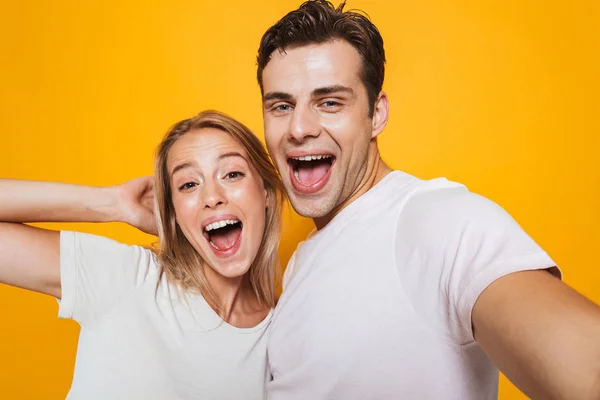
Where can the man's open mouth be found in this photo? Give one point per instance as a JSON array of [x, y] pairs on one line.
[[309, 171], [223, 235]]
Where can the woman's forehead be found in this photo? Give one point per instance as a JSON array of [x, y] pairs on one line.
[[206, 144]]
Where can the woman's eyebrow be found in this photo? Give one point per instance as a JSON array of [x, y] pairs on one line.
[[232, 154]]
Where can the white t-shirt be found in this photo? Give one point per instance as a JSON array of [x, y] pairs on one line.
[[136, 343], [377, 305]]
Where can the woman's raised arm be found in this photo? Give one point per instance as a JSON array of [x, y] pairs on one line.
[[29, 256]]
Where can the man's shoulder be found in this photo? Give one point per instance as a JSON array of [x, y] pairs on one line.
[[446, 214], [445, 200], [403, 184]]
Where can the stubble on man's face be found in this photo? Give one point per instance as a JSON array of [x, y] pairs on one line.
[[317, 124]]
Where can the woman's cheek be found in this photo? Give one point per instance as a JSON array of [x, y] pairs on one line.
[[185, 205], [253, 194], [239, 192]]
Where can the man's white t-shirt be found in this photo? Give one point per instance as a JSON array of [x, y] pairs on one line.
[[377, 305], [140, 343]]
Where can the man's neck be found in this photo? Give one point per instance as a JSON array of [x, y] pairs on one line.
[[376, 170]]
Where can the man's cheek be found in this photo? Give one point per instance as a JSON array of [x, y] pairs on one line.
[[271, 143]]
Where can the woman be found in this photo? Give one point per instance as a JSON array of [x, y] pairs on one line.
[[187, 322]]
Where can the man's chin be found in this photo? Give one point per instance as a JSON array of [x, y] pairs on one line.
[[314, 207]]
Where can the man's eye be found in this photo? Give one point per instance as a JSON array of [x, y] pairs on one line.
[[283, 107], [331, 103], [187, 185]]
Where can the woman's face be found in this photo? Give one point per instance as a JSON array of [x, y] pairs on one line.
[[219, 198]]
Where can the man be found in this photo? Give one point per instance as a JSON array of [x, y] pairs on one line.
[[407, 289]]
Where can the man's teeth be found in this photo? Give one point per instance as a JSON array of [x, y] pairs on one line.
[[308, 158], [311, 158], [220, 224]]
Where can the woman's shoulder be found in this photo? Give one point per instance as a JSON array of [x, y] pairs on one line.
[[107, 255]]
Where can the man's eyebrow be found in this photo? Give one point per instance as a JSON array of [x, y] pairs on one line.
[[277, 96], [323, 91]]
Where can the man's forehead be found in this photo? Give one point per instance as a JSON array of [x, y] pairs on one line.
[[308, 67]]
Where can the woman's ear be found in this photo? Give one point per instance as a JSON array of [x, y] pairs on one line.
[[266, 198]]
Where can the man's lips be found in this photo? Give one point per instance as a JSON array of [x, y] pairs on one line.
[[309, 173]]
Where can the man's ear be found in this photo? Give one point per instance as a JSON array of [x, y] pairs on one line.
[[380, 114]]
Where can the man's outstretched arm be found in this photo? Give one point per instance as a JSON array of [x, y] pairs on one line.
[[542, 334]]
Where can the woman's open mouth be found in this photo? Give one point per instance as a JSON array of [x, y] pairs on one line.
[[224, 236]]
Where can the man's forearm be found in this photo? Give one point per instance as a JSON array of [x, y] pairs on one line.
[[34, 201]]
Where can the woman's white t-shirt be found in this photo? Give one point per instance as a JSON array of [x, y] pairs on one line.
[[137, 342]]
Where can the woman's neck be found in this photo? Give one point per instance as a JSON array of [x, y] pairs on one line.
[[237, 303]]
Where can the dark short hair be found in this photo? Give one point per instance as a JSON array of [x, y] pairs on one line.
[[318, 21]]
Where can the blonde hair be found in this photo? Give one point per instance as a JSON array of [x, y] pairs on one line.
[[178, 260]]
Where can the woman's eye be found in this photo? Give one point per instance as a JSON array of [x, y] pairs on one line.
[[234, 175], [187, 185]]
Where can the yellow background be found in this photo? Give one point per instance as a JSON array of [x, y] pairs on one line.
[[500, 95]]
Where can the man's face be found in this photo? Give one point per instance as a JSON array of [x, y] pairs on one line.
[[317, 124]]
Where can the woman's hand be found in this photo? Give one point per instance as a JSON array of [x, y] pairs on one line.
[[136, 199]]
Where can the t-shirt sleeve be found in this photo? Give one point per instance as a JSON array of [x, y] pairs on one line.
[[290, 271], [97, 273], [451, 245]]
